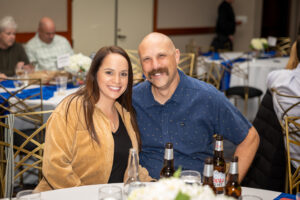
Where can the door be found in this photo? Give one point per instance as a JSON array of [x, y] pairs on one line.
[[94, 23], [135, 20]]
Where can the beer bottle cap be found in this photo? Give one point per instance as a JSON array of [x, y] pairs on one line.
[[169, 145], [209, 161], [235, 159], [219, 137]]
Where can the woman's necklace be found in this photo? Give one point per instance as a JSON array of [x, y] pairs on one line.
[[114, 122]]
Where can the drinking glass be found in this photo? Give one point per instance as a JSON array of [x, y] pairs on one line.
[[298, 196], [250, 197], [110, 193], [28, 195], [191, 177], [61, 84]]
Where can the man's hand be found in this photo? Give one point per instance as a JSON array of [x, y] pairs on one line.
[[29, 68]]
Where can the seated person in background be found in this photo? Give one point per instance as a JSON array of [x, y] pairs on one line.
[[44, 48], [173, 107], [293, 60], [12, 54], [287, 82], [89, 134]]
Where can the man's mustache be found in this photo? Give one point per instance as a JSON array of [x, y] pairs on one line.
[[160, 70]]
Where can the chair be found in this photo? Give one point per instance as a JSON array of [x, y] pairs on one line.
[[287, 106], [136, 66], [210, 72], [286, 103], [244, 92], [186, 63], [292, 130], [14, 156], [283, 46], [15, 100]]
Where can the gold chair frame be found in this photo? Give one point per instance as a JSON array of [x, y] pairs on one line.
[[186, 63], [136, 66], [212, 72], [293, 178], [275, 94], [13, 104], [20, 166]]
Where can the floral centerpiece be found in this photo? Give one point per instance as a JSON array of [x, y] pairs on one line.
[[79, 65], [174, 189], [259, 44]]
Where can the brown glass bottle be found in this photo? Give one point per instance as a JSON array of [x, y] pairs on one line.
[[208, 174], [233, 188], [168, 168], [219, 166]]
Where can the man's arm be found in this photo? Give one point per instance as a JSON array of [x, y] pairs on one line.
[[246, 152]]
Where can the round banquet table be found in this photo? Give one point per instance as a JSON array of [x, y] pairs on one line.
[[90, 192]]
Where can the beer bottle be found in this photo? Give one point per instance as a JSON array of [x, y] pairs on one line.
[[208, 174], [219, 166], [168, 167], [233, 187]]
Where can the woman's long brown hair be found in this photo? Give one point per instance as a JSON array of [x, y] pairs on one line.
[[90, 92]]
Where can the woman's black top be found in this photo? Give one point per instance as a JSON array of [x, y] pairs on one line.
[[121, 153]]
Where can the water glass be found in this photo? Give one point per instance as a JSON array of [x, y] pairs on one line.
[[61, 84], [191, 177], [298, 196], [28, 195], [250, 197], [110, 193]]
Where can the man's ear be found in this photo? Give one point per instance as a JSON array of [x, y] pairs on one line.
[[177, 55]]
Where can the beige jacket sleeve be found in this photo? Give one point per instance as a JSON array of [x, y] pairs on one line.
[[58, 151]]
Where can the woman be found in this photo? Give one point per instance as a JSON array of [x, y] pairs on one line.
[[89, 134]]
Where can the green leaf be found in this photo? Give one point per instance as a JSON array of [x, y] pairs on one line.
[[177, 172], [182, 196]]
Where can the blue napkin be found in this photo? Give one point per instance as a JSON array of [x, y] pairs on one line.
[[48, 92], [8, 83], [287, 196]]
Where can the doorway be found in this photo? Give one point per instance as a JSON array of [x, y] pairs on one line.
[[275, 18]]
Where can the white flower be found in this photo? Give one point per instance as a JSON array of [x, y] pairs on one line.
[[78, 61], [167, 189], [259, 43]]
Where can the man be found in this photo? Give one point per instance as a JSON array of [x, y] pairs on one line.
[[12, 54], [173, 107], [44, 48], [225, 27]]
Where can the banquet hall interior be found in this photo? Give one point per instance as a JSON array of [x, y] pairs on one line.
[[191, 24]]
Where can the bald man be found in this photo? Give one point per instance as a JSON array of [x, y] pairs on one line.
[[173, 107], [44, 48]]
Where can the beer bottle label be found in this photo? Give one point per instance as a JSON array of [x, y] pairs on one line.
[[233, 168], [219, 179], [219, 145], [168, 154], [208, 170]]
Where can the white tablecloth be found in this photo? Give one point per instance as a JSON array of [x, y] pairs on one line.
[[91, 193]]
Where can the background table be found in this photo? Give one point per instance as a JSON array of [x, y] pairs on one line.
[[257, 69]]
